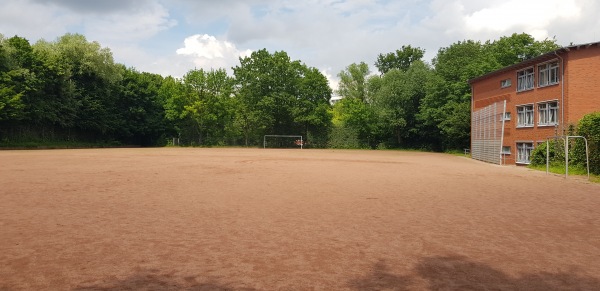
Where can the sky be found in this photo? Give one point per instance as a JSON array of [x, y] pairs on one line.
[[171, 37]]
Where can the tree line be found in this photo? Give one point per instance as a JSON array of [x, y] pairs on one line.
[[71, 90], [413, 104]]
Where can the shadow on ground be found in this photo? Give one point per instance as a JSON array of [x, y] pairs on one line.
[[431, 273], [153, 280], [382, 279], [460, 273]]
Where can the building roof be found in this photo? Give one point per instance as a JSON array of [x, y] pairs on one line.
[[535, 60]]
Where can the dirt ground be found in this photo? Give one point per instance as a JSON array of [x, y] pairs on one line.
[[254, 219]]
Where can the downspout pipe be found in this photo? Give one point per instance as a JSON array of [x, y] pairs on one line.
[[562, 97]]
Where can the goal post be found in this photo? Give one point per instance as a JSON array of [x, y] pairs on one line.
[[284, 140], [566, 140]]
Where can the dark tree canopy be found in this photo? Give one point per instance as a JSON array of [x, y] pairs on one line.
[[401, 59]]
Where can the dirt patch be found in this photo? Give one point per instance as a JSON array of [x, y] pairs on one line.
[[253, 219]]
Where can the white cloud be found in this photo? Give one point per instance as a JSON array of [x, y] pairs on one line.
[[531, 16], [127, 26], [208, 52], [334, 83], [34, 21], [329, 34]]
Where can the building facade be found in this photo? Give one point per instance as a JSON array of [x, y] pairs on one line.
[[543, 97]]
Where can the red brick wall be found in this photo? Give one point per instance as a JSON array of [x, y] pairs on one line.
[[583, 87]]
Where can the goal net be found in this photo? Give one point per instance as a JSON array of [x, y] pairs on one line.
[[283, 141]]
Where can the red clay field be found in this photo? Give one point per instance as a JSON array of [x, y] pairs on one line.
[[254, 219]]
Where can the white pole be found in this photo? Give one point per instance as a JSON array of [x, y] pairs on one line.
[[547, 156], [587, 157], [567, 157]]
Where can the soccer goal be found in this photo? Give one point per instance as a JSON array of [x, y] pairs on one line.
[[566, 139], [283, 141]]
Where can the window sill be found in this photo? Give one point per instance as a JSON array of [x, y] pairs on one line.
[[524, 126], [548, 85], [525, 90], [548, 125]]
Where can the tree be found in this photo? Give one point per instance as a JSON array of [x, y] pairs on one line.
[[397, 100], [11, 105], [206, 95], [312, 108], [141, 113], [94, 77], [510, 50], [276, 95], [353, 82], [355, 124], [401, 59]]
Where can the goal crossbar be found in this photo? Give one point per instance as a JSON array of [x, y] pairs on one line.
[[279, 135]]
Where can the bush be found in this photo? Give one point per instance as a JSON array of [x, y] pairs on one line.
[[344, 137], [588, 127], [557, 153]]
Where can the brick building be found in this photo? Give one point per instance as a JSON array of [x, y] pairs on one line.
[[518, 107]]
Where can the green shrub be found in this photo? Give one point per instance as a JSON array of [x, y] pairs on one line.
[[344, 137], [557, 153], [588, 127]]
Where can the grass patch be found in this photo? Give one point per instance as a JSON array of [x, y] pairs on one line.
[[574, 170]]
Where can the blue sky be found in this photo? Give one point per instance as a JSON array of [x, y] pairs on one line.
[[172, 37]]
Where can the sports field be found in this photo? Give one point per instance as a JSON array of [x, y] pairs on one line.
[[254, 219]]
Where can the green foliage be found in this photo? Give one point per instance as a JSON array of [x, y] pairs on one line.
[[588, 127], [342, 137], [556, 154], [396, 98], [401, 59], [276, 95], [510, 50], [141, 113], [353, 82], [353, 119], [71, 91]]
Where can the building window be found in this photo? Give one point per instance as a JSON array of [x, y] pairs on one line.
[[548, 74], [505, 83], [548, 113], [525, 79], [506, 150], [506, 116], [525, 116], [524, 152]]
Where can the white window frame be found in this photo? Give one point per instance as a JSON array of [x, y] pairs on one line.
[[506, 150], [525, 115], [548, 113], [524, 150], [506, 116], [548, 74], [505, 83], [525, 79]]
